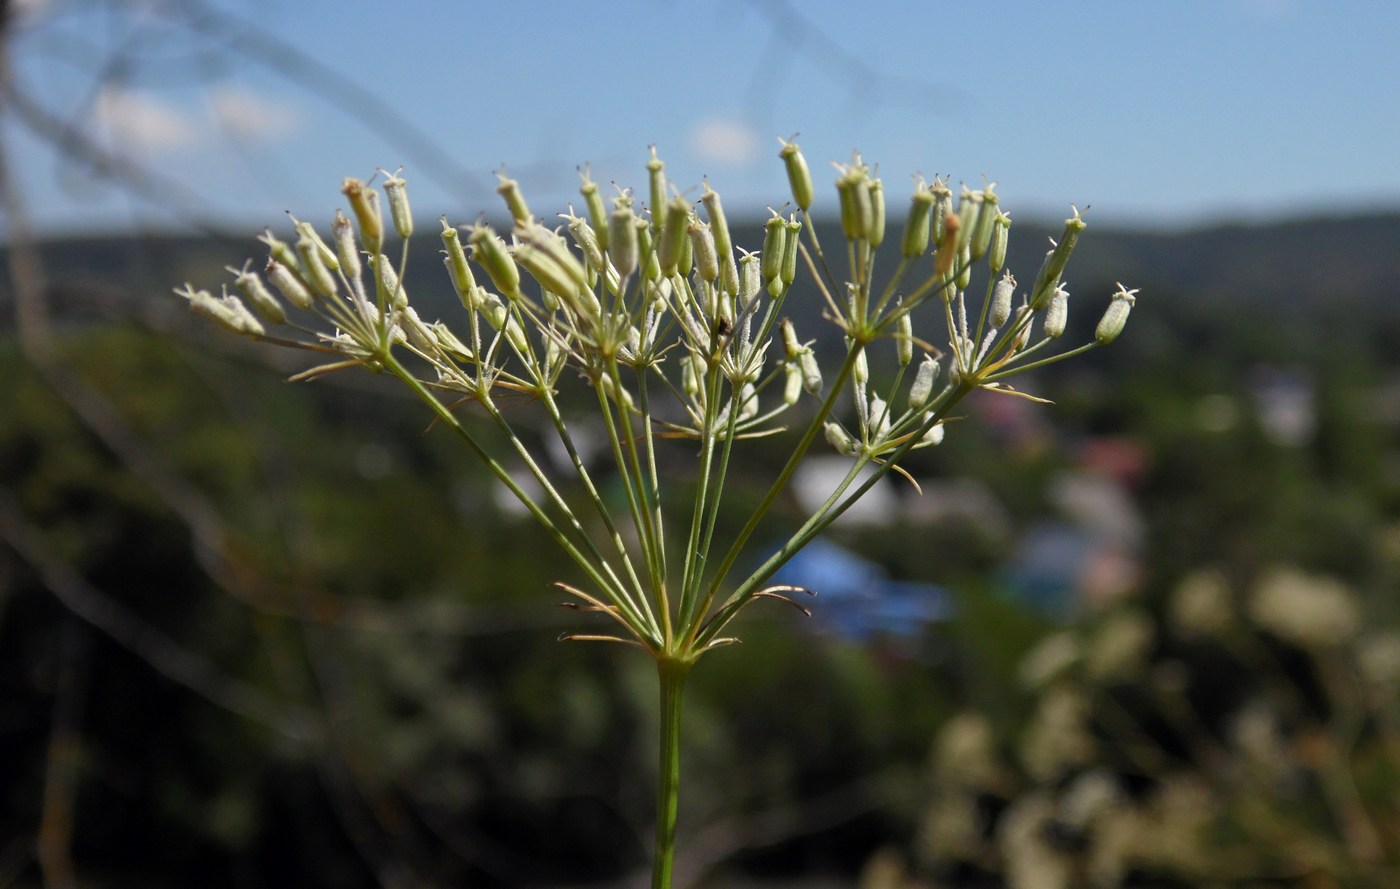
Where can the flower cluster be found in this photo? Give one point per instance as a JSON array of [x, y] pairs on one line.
[[674, 332], [678, 333]]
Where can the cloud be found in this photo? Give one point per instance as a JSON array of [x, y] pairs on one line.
[[725, 141], [142, 123], [251, 117], [146, 124]]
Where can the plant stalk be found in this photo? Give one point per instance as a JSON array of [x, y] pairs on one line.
[[672, 673]]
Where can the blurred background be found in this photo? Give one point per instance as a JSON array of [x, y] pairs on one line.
[[262, 634]]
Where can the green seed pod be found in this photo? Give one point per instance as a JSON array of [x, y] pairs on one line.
[[281, 252], [500, 319], [548, 297], [860, 371], [839, 439], [1055, 261], [774, 238], [916, 227], [619, 395], [904, 340], [791, 347], [674, 234], [792, 383], [934, 435], [651, 265], [969, 205], [226, 310], [719, 227], [493, 310], [515, 334], [449, 343], [964, 276], [364, 203], [389, 280], [597, 214], [724, 310], [853, 190], [656, 182], [256, 292], [1057, 313], [289, 284], [791, 245], [921, 390], [308, 231], [347, 252], [553, 243], [946, 254], [545, 269], [586, 239], [687, 261], [622, 239], [510, 192], [1001, 299], [942, 207], [750, 276], [1001, 234], [875, 233], [463, 281], [314, 267], [204, 303], [985, 223], [397, 196], [489, 252], [1023, 336], [418, 333], [728, 273], [1115, 316], [799, 177], [548, 259], [878, 414], [692, 372], [811, 372], [702, 244], [247, 323]]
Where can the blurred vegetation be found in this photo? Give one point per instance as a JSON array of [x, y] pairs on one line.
[[344, 672]]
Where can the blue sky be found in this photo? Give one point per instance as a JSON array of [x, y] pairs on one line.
[[1152, 113]]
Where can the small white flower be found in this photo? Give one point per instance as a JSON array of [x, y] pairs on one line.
[[1200, 605], [1309, 611]]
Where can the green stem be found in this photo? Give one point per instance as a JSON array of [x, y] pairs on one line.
[[780, 483], [672, 673], [694, 568], [1021, 368], [827, 513], [642, 631], [640, 598], [649, 439]]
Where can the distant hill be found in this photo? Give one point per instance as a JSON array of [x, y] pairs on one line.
[[1296, 267], [1300, 262]]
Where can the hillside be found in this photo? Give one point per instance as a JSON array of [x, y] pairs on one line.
[[1302, 265]]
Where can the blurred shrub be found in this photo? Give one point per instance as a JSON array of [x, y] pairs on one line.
[[1240, 733]]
